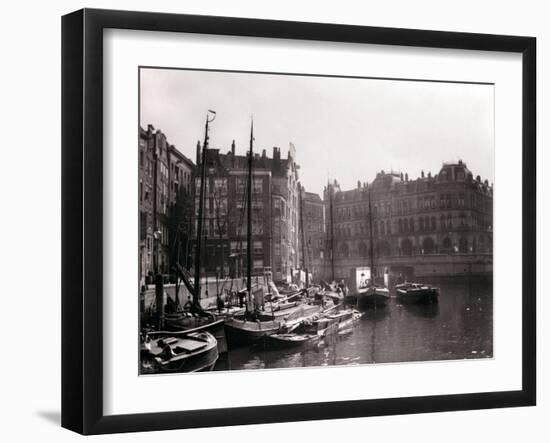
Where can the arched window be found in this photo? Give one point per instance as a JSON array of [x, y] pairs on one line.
[[447, 245], [421, 224], [462, 245], [442, 221], [406, 225], [406, 247], [411, 224], [344, 250], [434, 227], [383, 248], [388, 227], [428, 245], [482, 244], [400, 226]]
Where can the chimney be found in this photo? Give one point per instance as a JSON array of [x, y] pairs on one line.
[[198, 152], [422, 173], [233, 148], [276, 154], [358, 184], [406, 177], [264, 154]]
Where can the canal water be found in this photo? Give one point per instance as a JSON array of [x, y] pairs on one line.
[[460, 326]]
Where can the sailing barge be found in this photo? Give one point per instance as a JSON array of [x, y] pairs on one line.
[[371, 294]]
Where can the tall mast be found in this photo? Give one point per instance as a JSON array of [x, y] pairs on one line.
[[331, 190], [371, 243], [197, 292], [249, 215], [303, 235]]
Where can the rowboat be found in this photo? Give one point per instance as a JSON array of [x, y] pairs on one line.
[[185, 352], [186, 322]]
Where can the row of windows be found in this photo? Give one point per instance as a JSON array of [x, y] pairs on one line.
[[409, 225], [404, 206], [427, 246]]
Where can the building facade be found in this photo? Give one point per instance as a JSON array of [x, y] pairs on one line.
[[274, 213], [314, 240], [165, 182], [430, 226]]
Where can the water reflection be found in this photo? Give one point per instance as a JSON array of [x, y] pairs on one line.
[[459, 327]]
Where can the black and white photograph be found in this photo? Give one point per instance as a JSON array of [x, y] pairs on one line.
[[290, 221]]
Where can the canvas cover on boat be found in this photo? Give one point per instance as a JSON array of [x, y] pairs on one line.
[[190, 345]]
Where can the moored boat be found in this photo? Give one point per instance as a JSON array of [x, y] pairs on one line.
[[243, 329], [173, 352], [293, 339], [345, 319], [417, 293], [373, 296]]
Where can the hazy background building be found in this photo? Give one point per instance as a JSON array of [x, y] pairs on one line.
[[433, 225]]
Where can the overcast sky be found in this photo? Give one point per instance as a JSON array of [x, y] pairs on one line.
[[346, 129]]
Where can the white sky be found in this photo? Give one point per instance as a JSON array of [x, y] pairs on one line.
[[347, 129]]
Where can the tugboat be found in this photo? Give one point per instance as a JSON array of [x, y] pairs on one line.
[[417, 293]]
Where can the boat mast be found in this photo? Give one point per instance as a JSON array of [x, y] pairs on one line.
[[371, 242], [331, 190], [303, 235], [197, 291], [249, 217]]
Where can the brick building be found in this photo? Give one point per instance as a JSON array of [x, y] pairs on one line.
[[274, 218], [161, 215], [434, 225], [314, 233]]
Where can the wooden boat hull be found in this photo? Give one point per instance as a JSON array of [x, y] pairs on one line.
[[216, 328], [373, 297], [281, 341], [322, 327], [420, 295], [201, 357], [345, 320], [241, 332]]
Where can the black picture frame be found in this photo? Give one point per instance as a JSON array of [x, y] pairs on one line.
[[82, 218]]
